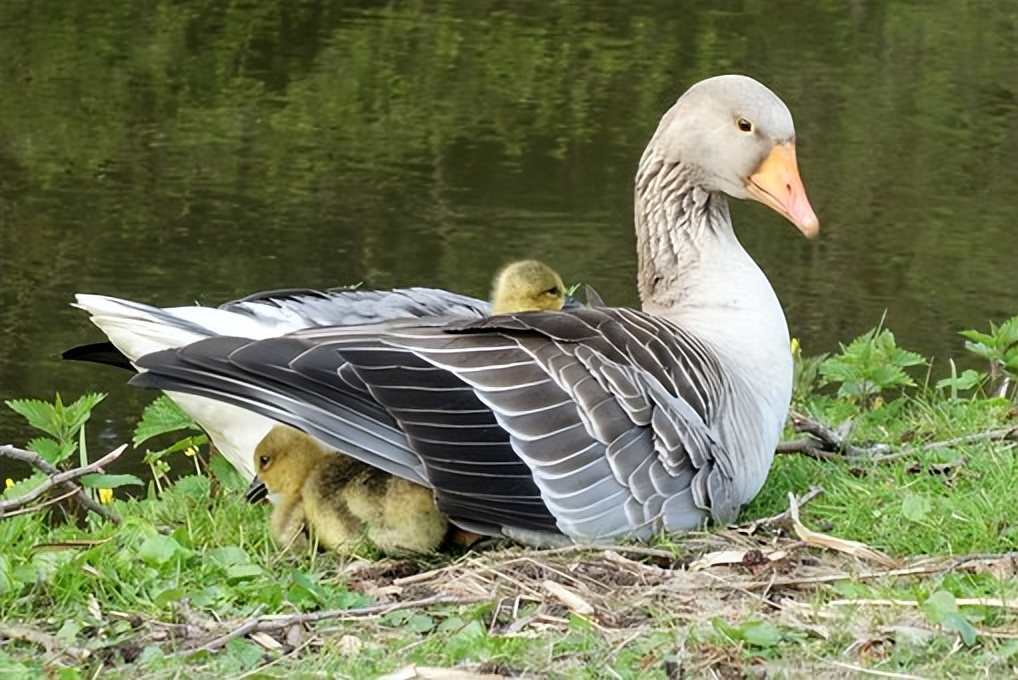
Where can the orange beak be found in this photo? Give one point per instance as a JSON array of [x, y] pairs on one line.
[[776, 184]]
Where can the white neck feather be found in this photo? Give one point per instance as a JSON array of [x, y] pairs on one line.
[[694, 272]]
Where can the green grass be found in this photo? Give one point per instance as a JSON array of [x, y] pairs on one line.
[[139, 599]]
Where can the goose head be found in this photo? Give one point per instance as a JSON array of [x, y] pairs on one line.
[[735, 136], [527, 285]]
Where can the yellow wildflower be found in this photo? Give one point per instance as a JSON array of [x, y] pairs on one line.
[[795, 347], [105, 496], [191, 452], [8, 483]]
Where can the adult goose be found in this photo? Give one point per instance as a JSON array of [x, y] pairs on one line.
[[591, 424]]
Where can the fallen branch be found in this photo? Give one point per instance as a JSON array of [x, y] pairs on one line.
[[276, 622], [50, 643], [832, 439], [805, 447], [57, 478], [998, 435], [828, 444]]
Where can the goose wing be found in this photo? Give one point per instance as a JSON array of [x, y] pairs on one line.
[[596, 422]]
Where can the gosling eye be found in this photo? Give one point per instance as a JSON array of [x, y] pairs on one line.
[[744, 125], [264, 461], [553, 291]]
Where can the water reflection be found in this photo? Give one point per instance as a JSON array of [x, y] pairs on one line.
[[183, 151]]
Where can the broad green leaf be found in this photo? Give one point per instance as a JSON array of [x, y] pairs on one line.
[[161, 549], [51, 451], [248, 653], [226, 474], [915, 508], [169, 596], [228, 555], [761, 634], [966, 381], [243, 572], [39, 414], [420, 623], [160, 417], [729, 631], [59, 421], [104, 481], [938, 605], [309, 586], [957, 622]]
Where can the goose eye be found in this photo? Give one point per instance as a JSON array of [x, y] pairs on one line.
[[745, 125]]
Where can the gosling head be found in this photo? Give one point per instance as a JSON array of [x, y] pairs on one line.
[[285, 457], [527, 286]]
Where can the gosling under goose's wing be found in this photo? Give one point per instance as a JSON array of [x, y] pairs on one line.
[[592, 421]]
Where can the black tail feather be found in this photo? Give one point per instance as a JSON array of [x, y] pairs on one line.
[[99, 353]]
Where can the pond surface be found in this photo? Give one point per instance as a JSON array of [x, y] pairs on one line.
[[183, 151]]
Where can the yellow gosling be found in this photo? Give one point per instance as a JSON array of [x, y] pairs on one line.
[[525, 286], [294, 466], [341, 499], [400, 516]]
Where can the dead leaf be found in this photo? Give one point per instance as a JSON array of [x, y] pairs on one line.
[[819, 540], [265, 641], [569, 598], [729, 557]]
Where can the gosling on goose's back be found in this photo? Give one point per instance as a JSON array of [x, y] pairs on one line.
[[527, 286], [597, 422]]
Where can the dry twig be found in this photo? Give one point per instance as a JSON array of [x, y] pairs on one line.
[[828, 444], [50, 643], [57, 478], [277, 622], [784, 518]]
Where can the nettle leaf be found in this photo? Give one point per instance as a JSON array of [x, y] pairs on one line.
[[104, 481], [160, 417], [870, 364], [51, 451], [75, 415], [39, 414], [59, 421]]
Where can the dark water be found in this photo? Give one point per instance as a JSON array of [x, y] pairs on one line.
[[181, 151]]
